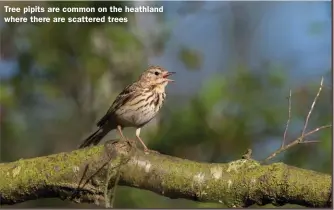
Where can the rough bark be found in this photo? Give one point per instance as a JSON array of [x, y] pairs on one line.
[[238, 183]]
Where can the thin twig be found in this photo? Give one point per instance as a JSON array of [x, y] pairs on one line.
[[287, 123], [317, 129], [110, 188], [113, 194], [106, 188], [295, 142], [303, 134], [310, 141], [311, 109]]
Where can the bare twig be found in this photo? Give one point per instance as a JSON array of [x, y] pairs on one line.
[[317, 129], [295, 142], [110, 188], [288, 122], [113, 194], [300, 139], [311, 109], [310, 141]]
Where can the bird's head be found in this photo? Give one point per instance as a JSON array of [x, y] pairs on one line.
[[156, 77]]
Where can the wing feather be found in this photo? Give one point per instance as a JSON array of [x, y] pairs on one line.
[[121, 99]]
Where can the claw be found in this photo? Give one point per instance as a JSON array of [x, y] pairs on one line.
[[131, 142], [148, 151]]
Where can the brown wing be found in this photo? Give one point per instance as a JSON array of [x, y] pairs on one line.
[[121, 99]]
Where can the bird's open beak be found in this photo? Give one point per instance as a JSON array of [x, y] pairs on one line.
[[166, 75]]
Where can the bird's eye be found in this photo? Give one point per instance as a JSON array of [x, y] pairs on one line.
[[156, 73]]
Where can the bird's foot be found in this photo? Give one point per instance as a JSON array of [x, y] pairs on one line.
[[131, 142], [148, 151]]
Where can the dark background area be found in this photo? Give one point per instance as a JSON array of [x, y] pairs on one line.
[[235, 64]]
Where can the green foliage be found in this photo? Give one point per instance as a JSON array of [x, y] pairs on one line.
[[6, 95], [190, 58], [226, 111], [68, 75]]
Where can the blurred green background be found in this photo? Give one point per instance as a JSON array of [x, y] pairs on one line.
[[57, 80]]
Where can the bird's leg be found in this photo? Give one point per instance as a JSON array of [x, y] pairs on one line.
[[141, 141], [119, 129]]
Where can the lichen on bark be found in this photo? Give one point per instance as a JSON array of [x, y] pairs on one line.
[[239, 183]]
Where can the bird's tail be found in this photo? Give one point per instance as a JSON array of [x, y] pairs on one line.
[[94, 138]]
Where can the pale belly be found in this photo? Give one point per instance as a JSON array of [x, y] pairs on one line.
[[136, 118]]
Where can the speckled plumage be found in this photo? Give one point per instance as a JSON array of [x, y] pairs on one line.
[[135, 106]]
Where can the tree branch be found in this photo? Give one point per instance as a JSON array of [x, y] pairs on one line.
[[287, 123], [239, 183]]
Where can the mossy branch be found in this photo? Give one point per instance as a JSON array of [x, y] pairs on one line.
[[239, 183]]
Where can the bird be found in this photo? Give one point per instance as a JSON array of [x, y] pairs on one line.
[[135, 106]]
